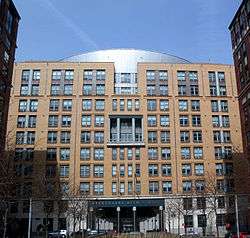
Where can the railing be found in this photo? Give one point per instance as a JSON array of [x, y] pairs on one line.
[[126, 138]]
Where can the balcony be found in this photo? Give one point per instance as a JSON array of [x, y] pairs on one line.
[[126, 131]]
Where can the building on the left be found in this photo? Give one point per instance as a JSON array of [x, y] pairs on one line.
[[9, 20]]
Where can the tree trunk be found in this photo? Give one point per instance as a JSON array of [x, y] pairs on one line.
[[5, 222]]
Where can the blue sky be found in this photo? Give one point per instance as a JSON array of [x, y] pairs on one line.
[[193, 29]]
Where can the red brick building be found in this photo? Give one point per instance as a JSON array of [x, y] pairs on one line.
[[9, 19]]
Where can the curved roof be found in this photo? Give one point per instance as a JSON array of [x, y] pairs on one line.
[[126, 60]]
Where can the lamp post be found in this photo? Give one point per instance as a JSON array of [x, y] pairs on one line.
[[118, 209], [134, 211], [30, 217], [161, 218]]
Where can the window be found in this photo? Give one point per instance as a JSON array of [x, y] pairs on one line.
[[220, 220], [85, 154], [202, 220], [98, 188], [193, 76], [100, 89], [23, 105], [217, 136], [214, 106], [85, 187], [152, 153], [130, 187], [87, 89], [56, 74], [197, 136], [86, 104], [129, 105], [199, 185], [223, 91], [166, 186], [196, 120], [188, 220], [198, 152], [53, 121], [21, 121], [87, 74], [65, 137], [182, 90], [195, 105], [20, 138], [68, 89], [130, 170], [66, 121], [185, 153], [226, 136], [99, 121], [69, 75], [114, 170], [137, 104], [114, 154], [55, 90], [99, 137], [183, 105], [152, 120], [153, 170], [164, 105], [219, 169], [225, 121], [130, 154], [25, 75], [164, 120], [114, 187], [165, 153], [186, 170], [122, 105], [122, 170], [151, 90], [65, 154], [224, 106], [184, 136], [150, 74], [67, 104], [199, 169], [32, 121], [216, 121], [137, 153], [99, 105], [221, 202], [194, 90], [85, 137], [187, 186], [84, 171], [163, 90], [86, 121], [24, 91], [51, 153], [166, 169], [218, 152], [35, 90], [100, 75], [181, 75], [183, 120], [114, 105], [152, 136], [64, 170], [165, 137], [163, 75], [98, 154], [122, 187], [98, 171], [212, 77], [153, 187], [187, 203], [138, 187], [52, 137], [30, 137], [33, 105], [213, 91], [151, 105], [54, 105]]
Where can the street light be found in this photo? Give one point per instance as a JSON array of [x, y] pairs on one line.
[[134, 211], [118, 209], [161, 218]]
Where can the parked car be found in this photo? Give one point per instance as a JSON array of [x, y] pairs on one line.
[[58, 234], [242, 235]]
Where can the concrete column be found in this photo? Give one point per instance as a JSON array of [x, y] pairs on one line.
[[133, 129], [118, 128]]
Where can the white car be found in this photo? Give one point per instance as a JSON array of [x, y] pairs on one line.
[[60, 233]]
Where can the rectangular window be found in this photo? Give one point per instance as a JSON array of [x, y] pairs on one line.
[[98, 171], [25, 75], [163, 75], [152, 136], [164, 105], [196, 120], [99, 121], [152, 120], [197, 136], [164, 120], [129, 105], [100, 105], [187, 186], [65, 137], [194, 90], [152, 153], [151, 105], [183, 105], [137, 104], [181, 76], [114, 105], [53, 121], [69, 75], [185, 153], [99, 137], [85, 154], [165, 153], [214, 106], [98, 188], [198, 152], [32, 121], [52, 137], [85, 187], [88, 75], [35, 90], [23, 105], [166, 169], [54, 105], [55, 90], [84, 171], [100, 75], [199, 169], [165, 136], [100, 89], [153, 187], [65, 154], [184, 136], [67, 104], [33, 105], [66, 121], [186, 169], [166, 186], [87, 89], [98, 154], [150, 74], [24, 90], [21, 121], [86, 120], [195, 105], [202, 220], [64, 171], [153, 170], [184, 120], [51, 154], [68, 89], [122, 104], [56, 75], [182, 90]]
